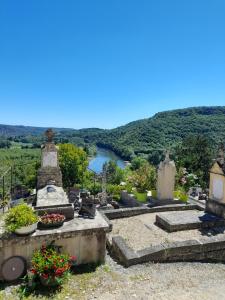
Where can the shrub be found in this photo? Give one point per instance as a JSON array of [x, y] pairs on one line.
[[20, 216], [50, 265]]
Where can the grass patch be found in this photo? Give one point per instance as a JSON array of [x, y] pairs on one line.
[[141, 197], [83, 281]]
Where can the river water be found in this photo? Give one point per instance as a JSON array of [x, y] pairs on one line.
[[102, 156]]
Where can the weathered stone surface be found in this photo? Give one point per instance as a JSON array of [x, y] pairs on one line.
[[51, 195], [123, 252], [134, 211], [49, 170], [53, 199], [190, 250], [215, 207], [84, 238], [186, 220], [166, 179], [47, 174]]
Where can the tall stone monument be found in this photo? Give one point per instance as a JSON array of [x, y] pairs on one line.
[[166, 179], [51, 198], [50, 170]]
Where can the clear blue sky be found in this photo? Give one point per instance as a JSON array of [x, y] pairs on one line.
[[103, 63]]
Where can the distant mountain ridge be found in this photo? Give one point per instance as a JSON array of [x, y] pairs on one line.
[[162, 130]]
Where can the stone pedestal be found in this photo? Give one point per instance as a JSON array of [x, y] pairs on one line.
[[166, 179], [50, 170]]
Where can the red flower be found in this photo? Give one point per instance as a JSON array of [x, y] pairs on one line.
[[45, 276], [73, 258]]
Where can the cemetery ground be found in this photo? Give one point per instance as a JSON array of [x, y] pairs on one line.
[[183, 281]]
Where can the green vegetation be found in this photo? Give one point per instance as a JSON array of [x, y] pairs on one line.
[[146, 137], [20, 216], [73, 163], [192, 135], [114, 174], [141, 197]]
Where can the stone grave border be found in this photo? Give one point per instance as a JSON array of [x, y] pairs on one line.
[[202, 249]]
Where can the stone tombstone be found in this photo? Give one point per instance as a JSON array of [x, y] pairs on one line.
[[166, 179], [216, 202], [50, 170]]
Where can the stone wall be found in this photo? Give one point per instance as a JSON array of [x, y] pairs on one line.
[[134, 211], [190, 250], [83, 238]]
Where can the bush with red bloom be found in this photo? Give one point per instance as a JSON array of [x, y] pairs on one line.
[[50, 265]]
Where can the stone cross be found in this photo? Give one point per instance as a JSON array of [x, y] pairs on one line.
[[50, 135]]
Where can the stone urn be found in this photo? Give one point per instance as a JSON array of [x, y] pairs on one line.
[[26, 230]]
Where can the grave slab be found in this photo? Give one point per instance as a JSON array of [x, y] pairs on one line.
[[187, 220]]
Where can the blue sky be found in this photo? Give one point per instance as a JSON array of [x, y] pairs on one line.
[[103, 63]]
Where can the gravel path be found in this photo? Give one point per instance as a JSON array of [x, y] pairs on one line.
[[140, 232], [175, 281]]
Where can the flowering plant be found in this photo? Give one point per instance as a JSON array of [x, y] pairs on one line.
[[186, 180], [50, 265], [52, 219]]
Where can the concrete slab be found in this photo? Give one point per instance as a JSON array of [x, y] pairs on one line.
[[187, 220]]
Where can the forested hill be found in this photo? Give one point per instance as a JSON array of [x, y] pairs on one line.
[[165, 129], [20, 130], [160, 131]]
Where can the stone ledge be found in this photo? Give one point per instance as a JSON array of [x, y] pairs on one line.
[[72, 228], [204, 249], [130, 212], [179, 221]]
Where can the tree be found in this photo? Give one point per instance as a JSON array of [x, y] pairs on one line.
[[137, 162], [73, 163], [196, 154], [114, 174]]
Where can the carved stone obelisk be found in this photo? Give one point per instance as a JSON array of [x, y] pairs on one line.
[[50, 170]]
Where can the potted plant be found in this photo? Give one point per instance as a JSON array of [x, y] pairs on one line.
[[21, 219], [51, 220], [51, 266]]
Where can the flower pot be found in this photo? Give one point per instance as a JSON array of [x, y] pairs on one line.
[[26, 230], [49, 282], [50, 225]]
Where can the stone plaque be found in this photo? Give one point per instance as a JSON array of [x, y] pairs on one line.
[[49, 159], [217, 189]]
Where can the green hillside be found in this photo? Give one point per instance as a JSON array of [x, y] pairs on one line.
[[163, 130]]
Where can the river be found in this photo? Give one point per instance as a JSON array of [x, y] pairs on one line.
[[102, 156]]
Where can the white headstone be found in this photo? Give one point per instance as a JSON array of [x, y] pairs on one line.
[[217, 189], [166, 179]]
